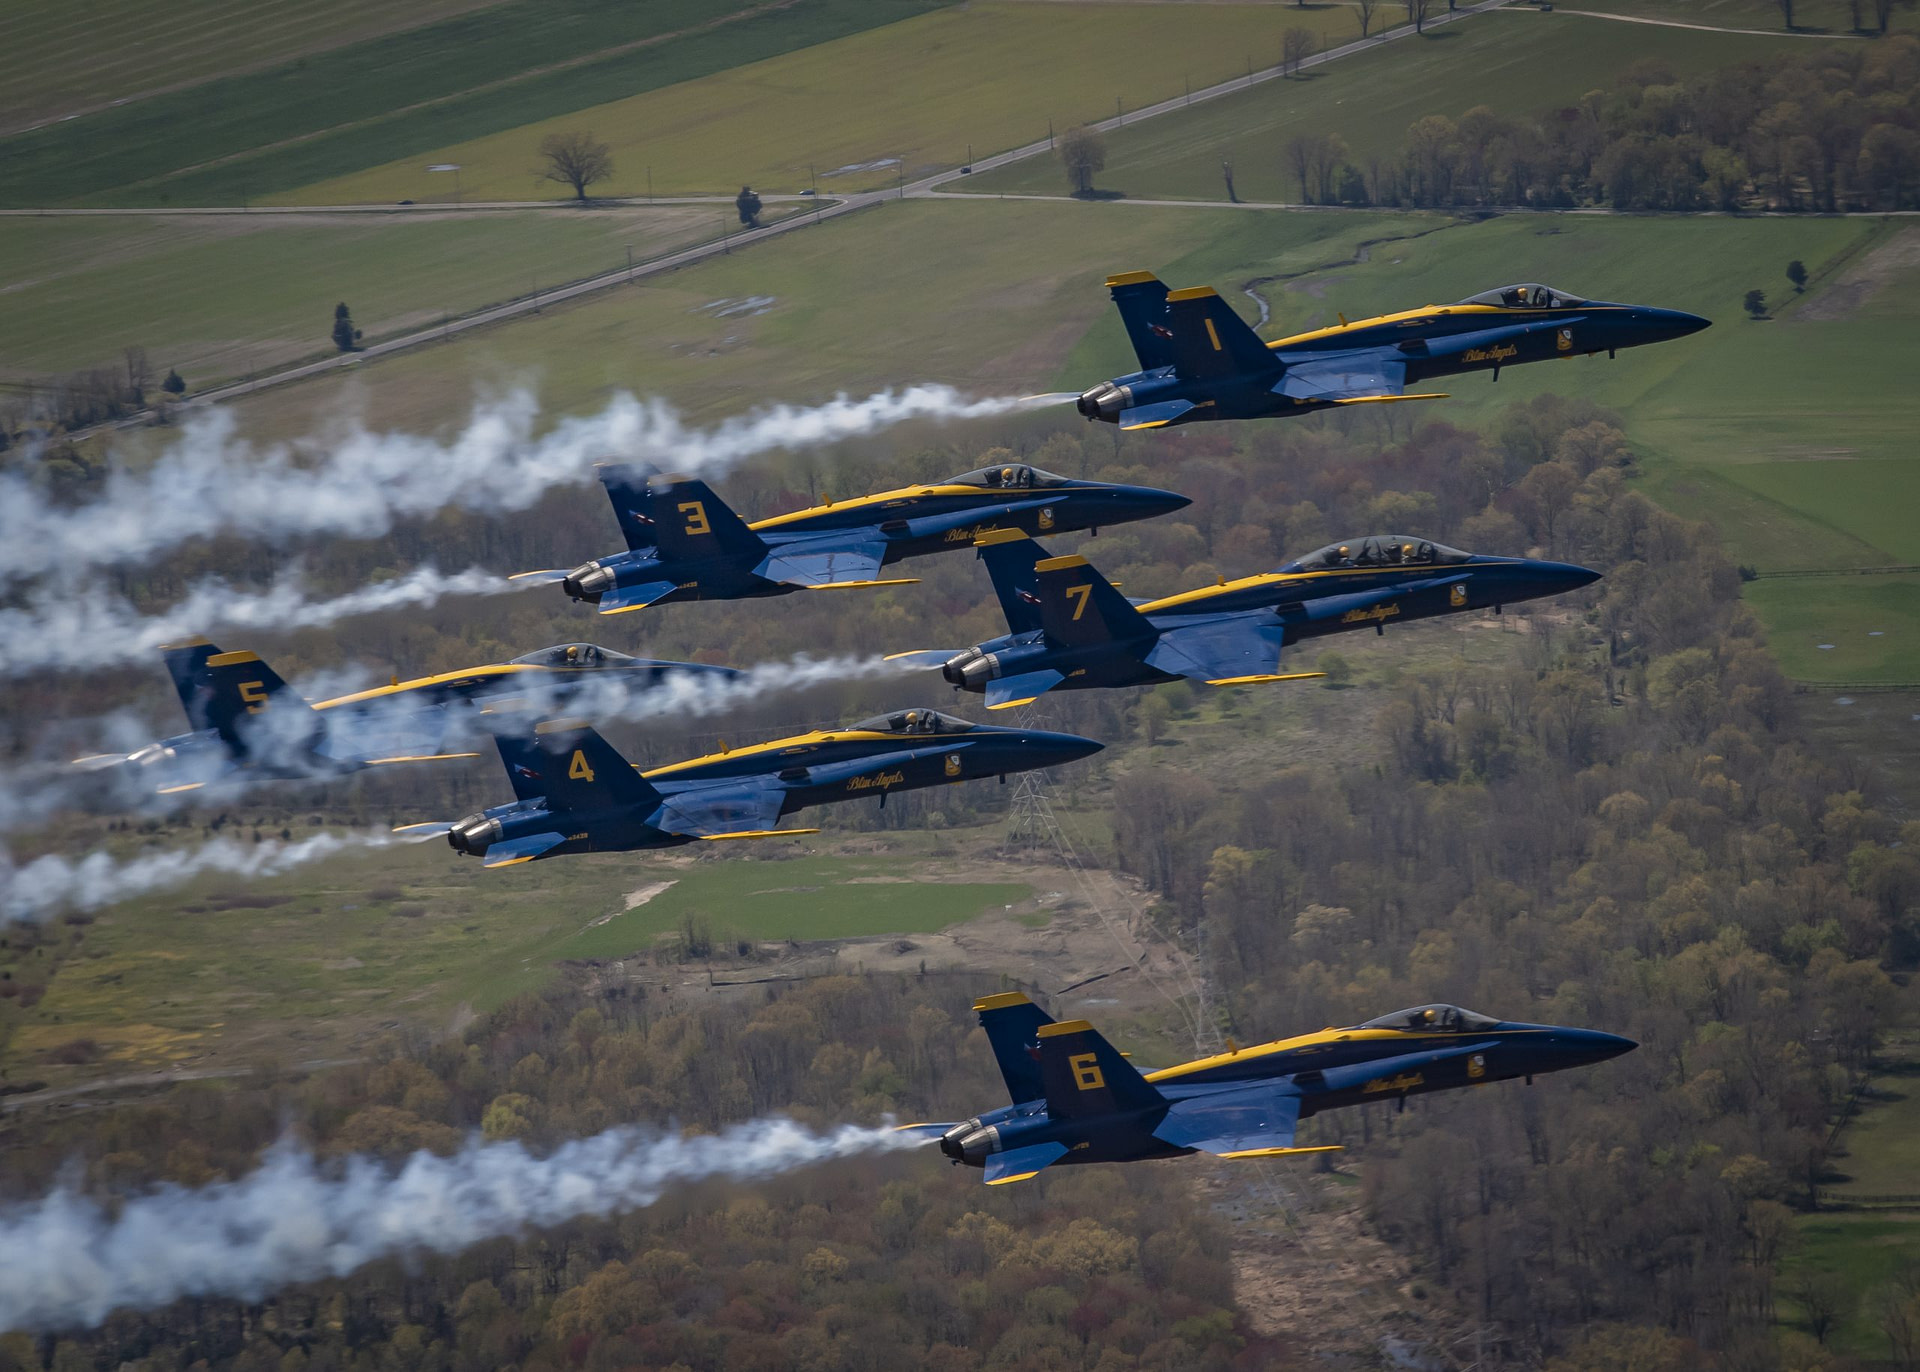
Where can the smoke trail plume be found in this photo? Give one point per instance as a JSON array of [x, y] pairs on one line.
[[357, 484], [64, 1262], [47, 885], [104, 631]]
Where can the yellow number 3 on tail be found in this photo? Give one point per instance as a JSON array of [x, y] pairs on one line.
[[578, 768]]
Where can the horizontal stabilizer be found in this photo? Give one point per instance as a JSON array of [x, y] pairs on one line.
[[1010, 691], [1259, 1118], [624, 598], [1154, 416], [1223, 650], [1022, 1163], [518, 850], [825, 567]]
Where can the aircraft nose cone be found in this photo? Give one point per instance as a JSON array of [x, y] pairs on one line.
[[1160, 502], [1595, 1046], [1062, 748], [1569, 576], [1676, 323]]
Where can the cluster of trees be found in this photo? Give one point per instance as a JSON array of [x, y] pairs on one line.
[[79, 400], [1833, 128], [881, 1264], [1623, 830]]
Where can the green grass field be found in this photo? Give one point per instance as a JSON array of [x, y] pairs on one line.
[[990, 75], [82, 54], [213, 296], [1514, 61], [1809, 16], [223, 141], [1855, 628], [307, 964], [1864, 1251]]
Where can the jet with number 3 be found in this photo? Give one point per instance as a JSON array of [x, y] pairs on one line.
[[1077, 1099], [684, 543], [575, 794], [1199, 360]]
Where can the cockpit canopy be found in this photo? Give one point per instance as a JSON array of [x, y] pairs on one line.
[[1010, 476], [1433, 1019], [1378, 550], [574, 655], [914, 722], [1530, 295]]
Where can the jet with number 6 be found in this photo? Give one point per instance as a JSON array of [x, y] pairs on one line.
[[684, 543], [1199, 360], [1077, 1099], [575, 794]]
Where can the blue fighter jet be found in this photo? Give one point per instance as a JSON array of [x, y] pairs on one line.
[[1077, 1100], [246, 720], [684, 543], [575, 794], [1071, 629], [1199, 360]]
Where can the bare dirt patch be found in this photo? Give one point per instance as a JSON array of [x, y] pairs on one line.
[[1866, 278]]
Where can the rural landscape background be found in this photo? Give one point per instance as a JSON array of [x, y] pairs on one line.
[[1678, 805]]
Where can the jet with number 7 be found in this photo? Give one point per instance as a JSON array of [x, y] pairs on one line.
[[1077, 1099], [684, 543]]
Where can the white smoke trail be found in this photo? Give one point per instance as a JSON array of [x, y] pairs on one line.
[[64, 1262], [357, 484], [47, 885], [96, 630]]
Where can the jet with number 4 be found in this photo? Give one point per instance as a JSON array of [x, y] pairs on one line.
[[1199, 360], [575, 794], [1077, 1099], [1071, 629], [684, 543], [246, 720]]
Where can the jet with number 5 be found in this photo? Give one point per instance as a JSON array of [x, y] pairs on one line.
[[575, 794], [1071, 629], [1199, 360], [684, 543], [1076, 1099]]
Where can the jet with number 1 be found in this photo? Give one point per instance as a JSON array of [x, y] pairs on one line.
[[684, 543], [1076, 1099], [1199, 360]]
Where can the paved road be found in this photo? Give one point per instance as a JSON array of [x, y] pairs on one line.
[[833, 209]]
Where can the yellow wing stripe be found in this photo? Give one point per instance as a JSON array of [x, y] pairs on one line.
[[993, 536], [1389, 399], [232, 659], [857, 585], [1065, 1026], [1002, 1001], [1129, 279], [1056, 564], [1270, 676], [424, 757], [1017, 1176], [1192, 293], [754, 833], [1280, 1152]]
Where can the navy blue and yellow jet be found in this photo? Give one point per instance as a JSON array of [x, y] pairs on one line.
[[246, 720], [575, 794], [1071, 629], [684, 543], [1199, 360], [1077, 1099]]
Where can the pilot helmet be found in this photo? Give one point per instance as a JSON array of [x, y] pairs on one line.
[[573, 652]]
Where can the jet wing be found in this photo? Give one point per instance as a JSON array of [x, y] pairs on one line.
[[1229, 649], [518, 850], [624, 598], [812, 566], [1256, 1122], [1154, 416], [1349, 378], [1018, 690], [720, 811]]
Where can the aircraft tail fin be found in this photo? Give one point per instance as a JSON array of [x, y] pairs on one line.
[[1011, 557], [692, 524], [632, 502], [567, 764], [1080, 606], [187, 666], [238, 687], [1085, 1075], [1210, 340], [1141, 299], [1013, 1023]]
